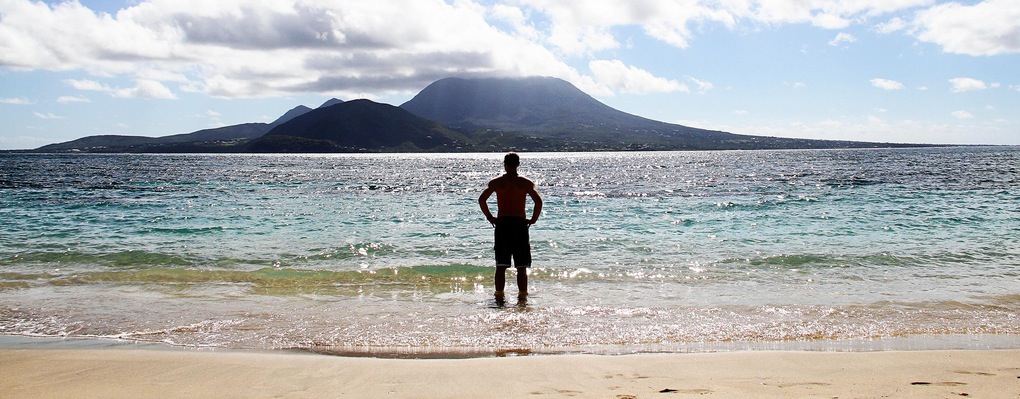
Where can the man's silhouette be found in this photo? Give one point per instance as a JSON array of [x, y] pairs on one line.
[[511, 222]]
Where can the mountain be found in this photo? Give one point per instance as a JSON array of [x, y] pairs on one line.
[[545, 107], [293, 113], [331, 102], [454, 114], [540, 105], [552, 114], [222, 139], [359, 125]]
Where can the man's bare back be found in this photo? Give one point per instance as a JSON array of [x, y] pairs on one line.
[[511, 195]]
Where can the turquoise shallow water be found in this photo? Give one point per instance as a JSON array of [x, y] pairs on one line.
[[664, 251]]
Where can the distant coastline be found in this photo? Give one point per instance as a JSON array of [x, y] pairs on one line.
[[537, 114]]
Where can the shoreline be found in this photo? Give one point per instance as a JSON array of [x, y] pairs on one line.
[[124, 372], [913, 343]]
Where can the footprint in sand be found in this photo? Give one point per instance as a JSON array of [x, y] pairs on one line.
[[799, 384], [688, 391], [975, 373], [939, 384]]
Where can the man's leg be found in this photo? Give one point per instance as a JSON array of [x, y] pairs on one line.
[[522, 280], [500, 279]]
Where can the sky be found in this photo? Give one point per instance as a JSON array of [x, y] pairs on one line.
[[911, 71]]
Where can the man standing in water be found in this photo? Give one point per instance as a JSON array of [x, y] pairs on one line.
[[511, 222]]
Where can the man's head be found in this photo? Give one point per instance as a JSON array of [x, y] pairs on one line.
[[512, 160]]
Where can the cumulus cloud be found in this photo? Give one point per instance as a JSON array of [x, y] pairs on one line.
[[86, 84], [238, 48], [47, 115], [517, 19], [841, 38], [244, 48], [703, 86], [875, 129], [578, 27], [72, 99], [890, 26], [619, 77], [962, 115], [960, 85], [983, 29], [15, 101], [144, 88], [886, 84]]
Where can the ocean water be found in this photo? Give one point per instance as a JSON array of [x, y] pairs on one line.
[[635, 252]]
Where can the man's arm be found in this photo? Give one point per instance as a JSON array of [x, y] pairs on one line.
[[537, 199], [483, 202]]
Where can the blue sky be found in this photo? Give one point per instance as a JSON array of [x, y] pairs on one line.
[[918, 71]]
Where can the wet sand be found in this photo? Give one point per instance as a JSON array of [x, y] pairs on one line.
[[147, 373]]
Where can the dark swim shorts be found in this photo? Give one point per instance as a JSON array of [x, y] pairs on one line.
[[512, 242]]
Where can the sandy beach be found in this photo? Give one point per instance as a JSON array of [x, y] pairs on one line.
[[146, 373]]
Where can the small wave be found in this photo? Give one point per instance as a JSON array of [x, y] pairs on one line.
[[117, 259], [273, 278], [187, 231], [850, 182]]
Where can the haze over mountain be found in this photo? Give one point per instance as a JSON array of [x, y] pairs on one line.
[[454, 114]]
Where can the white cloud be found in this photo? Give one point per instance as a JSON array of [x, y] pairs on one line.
[[841, 38], [962, 115], [239, 48], [579, 27], [830, 21], [983, 29], [967, 84], [893, 25], [47, 115], [243, 48], [824, 14], [15, 101], [517, 19], [619, 77], [144, 88], [875, 129], [703, 86], [85, 84], [72, 99], [886, 84]]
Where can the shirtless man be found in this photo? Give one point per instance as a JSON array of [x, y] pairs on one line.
[[511, 222]]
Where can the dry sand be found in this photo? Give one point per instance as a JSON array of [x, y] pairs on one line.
[[143, 373]]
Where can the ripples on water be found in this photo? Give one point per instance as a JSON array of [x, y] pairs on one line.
[[635, 251]]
